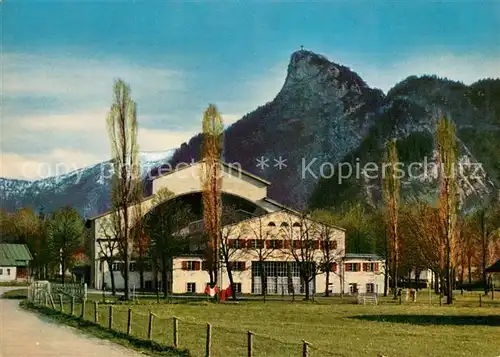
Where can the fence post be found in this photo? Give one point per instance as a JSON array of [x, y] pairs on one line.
[[250, 344], [61, 302], [72, 305], [208, 346], [129, 321], [480, 300], [305, 349], [150, 326], [82, 315], [96, 312], [176, 332], [110, 318]]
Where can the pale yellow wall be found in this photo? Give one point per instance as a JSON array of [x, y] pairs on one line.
[[188, 180], [181, 277], [257, 228], [363, 277]]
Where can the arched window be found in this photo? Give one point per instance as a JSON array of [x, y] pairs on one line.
[[284, 224], [271, 224], [297, 224]]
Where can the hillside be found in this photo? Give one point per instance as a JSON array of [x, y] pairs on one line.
[[85, 189], [409, 115]]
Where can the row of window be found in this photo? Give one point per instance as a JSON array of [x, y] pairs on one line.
[[197, 265], [194, 265], [370, 267], [284, 224], [279, 244], [191, 287], [8, 271]]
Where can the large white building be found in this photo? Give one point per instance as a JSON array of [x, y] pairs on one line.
[[268, 241]]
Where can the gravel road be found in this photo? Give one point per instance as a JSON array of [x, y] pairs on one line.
[[24, 334]]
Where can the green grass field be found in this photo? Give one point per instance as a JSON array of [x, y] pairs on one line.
[[332, 327]]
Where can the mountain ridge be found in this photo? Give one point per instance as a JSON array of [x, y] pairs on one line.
[[326, 113]]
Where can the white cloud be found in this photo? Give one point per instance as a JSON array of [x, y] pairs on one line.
[[64, 160], [158, 140], [79, 78], [79, 139]]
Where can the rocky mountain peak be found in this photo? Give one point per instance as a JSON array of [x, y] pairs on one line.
[[307, 67]]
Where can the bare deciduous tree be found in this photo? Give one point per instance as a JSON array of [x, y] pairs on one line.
[[108, 246], [231, 245], [164, 225], [300, 238], [331, 258], [259, 234], [126, 184]]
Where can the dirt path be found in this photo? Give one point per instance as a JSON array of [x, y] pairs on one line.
[[24, 334]]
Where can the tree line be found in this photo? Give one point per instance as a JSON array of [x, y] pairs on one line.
[[57, 241]]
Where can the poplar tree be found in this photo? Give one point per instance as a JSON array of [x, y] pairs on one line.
[[448, 202], [212, 131], [391, 186]]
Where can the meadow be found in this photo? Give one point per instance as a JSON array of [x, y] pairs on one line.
[[331, 326]]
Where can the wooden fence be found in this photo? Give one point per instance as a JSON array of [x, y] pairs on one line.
[[153, 328]]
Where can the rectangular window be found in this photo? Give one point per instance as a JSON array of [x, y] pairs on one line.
[[333, 244], [353, 267], [191, 287], [237, 287], [1, 271], [116, 266], [8, 271], [238, 266], [370, 288], [255, 244], [353, 288], [369, 267], [133, 266], [276, 244], [237, 244], [191, 265]]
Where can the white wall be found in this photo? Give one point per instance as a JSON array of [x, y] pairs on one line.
[[8, 277], [361, 278], [134, 279]]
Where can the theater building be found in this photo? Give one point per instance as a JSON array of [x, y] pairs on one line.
[[265, 242]]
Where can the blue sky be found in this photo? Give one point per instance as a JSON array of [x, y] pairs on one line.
[[59, 59]]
